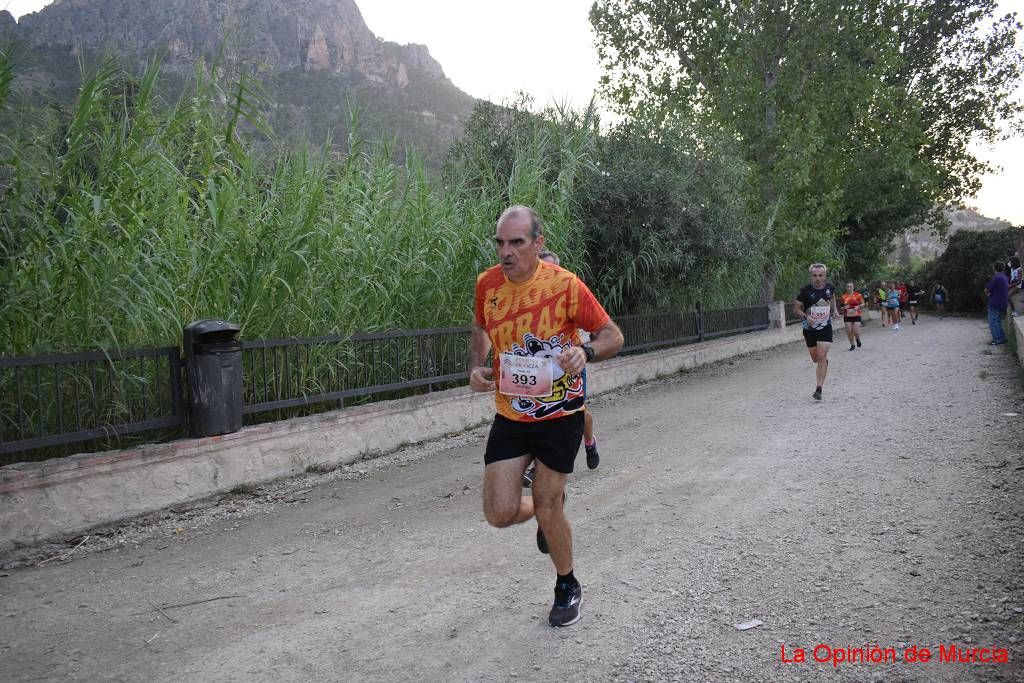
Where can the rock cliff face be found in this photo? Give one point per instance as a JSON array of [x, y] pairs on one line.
[[315, 57], [312, 35]]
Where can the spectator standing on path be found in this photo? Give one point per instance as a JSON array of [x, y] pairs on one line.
[[1008, 272], [940, 297], [816, 304], [529, 312], [997, 290], [589, 440], [1016, 295], [853, 303]]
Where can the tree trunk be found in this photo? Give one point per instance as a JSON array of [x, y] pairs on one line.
[[768, 286]]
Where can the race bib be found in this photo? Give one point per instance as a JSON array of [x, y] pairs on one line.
[[818, 316], [524, 375]]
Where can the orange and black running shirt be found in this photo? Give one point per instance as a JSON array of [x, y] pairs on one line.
[[539, 318], [852, 304]]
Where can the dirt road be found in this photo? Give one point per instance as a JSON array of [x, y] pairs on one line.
[[889, 514]]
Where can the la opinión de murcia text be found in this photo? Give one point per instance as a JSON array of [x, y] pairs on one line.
[[837, 655]]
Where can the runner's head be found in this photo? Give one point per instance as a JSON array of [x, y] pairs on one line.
[[817, 271], [1015, 262], [997, 266], [519, 239], [550, 256], [849, 287]]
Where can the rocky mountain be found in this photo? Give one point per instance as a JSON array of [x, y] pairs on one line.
[[314, 57], [926, 245]]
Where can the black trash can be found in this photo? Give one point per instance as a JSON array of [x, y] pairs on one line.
[[213, 363]]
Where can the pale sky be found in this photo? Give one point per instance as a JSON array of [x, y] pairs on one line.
[[493, 48]]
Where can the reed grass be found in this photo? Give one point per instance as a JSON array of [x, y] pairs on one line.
[[128, 218]]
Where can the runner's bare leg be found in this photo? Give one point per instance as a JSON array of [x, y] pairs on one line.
[[504, 502], [548, 488]]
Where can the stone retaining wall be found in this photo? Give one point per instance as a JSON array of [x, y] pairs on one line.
[[66, 496]]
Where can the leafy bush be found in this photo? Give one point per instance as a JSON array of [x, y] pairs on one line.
[[966, 265], [665, 226]]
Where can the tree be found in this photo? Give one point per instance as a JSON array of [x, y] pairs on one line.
[[664, 227], [966, 265], [854, 117]]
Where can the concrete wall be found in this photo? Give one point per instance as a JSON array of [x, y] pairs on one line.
[[1017, 328], [66, 496]]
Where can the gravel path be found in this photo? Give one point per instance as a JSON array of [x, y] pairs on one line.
[[889, 514]]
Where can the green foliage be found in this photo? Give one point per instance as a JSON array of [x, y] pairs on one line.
[[966, 265], [664, 225], [125, 219], [656, 221], [509, 155], [854, 118]]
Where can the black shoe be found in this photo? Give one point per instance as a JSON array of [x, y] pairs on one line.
[[566, 610], [542, 543], [858, 343], [528, 476], [593, 459], [913, 322], [852, 347], [817, 394]]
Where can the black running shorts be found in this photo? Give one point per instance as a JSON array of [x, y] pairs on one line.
[[851, 318], [812, 337], [554, 442]]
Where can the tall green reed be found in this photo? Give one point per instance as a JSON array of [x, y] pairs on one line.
[[127, 218]]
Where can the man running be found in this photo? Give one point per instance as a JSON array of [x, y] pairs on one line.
[[914, 294], [853, 302], [816, 304], [529, 312], [589, 440]]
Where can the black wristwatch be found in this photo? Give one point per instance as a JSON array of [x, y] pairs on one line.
[[589, 351]]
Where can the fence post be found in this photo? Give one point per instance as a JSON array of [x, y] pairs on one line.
[[700, 321], [776, 315]]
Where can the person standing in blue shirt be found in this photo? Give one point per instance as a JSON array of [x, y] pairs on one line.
[[997, 290]]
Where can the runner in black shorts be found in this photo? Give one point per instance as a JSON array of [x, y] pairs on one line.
[[816, 304], [529, 314], [914, 294], [852, 303], [552, 442]]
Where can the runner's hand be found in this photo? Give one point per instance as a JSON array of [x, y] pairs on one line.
[[573, 360], [481, 379]]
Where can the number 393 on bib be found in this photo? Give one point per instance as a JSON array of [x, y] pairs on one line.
[[524, 375]]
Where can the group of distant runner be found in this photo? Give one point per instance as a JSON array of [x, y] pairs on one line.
[[817, 304], [896, 299]]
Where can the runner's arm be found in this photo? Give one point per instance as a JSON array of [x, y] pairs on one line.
[[481, 377], [800, 309], [606, 341]]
